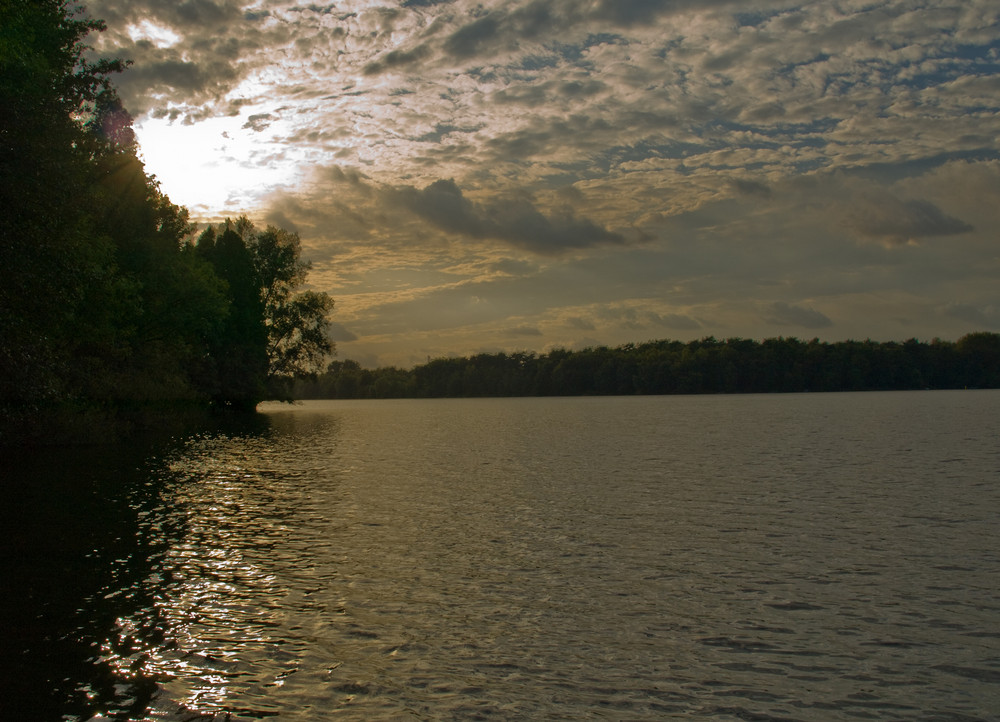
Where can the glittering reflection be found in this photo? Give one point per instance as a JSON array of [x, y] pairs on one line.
[[234, 512], [191, 567]]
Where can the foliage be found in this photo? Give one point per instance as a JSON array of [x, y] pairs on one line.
[[58, 264], [273, 334], [109, 316], [704, 366]]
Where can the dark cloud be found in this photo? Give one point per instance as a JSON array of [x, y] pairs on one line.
[[473, 38], [522, 331], [443, 205], [674, 321], [318, 9], [177, 74], [895, 222], [747, 187], [581, 324], [643, 320], [548, 137], [520, 223], [201, 13], [338, 332], [514, 220], [514, 267], [259, 122], [507, 29], [279, 217], [979, 316], [188, 17], [510, 29], [577, 88], [783, 314], [396, 59]]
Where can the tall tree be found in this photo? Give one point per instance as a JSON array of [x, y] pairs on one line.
[[274, 333], [296, 321]]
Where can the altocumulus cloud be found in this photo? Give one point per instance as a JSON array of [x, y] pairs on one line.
[[621, 169]]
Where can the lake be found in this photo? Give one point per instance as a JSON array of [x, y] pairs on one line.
[[764, 557]]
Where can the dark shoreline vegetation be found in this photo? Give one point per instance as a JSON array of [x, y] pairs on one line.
[[706, 366], [114, 319]]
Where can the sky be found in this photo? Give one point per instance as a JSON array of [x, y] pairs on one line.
[[480, 176]]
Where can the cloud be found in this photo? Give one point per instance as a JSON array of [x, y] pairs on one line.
[[514, 220], [749, 187], [675, 321], [639, 316], [443, 204], [396, 59], [630, 12], [581, 324], [783, 314], [472, 39], [338, 332], [514, 267], [987, 316], [612, 170], [522, 331], [896, 222], [259, 122]]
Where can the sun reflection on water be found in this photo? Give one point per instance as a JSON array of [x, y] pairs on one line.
[[215, 596]]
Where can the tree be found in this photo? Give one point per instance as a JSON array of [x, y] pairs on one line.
[[274, 333], [297, 323], [979, 358], [235, 372]]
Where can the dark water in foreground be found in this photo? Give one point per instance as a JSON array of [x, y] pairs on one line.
[[794, 557]]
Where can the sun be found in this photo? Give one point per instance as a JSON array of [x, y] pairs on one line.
[[213, 167]]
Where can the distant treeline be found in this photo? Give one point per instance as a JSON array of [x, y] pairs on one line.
[[706, 366]]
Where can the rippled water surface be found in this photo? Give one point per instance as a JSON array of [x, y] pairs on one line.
[[794, 557]]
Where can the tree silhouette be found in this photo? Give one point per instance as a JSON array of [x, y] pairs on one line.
[[273, 332], [703, 366]]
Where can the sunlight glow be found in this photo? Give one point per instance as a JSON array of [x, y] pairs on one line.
[[216, 166], [158, 35]]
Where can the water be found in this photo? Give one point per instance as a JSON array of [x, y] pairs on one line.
[[790, 557]]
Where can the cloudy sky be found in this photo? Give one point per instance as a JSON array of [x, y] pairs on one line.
[[526, 174]]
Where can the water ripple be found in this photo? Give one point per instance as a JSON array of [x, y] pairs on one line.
[[736, 558]]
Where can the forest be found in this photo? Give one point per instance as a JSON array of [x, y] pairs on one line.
[[113, 315], [706, 366]]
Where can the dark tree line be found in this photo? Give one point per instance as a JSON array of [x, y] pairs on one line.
[[109, 313], [705, 366]]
